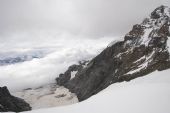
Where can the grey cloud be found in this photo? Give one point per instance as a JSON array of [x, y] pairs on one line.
[[95, 18]]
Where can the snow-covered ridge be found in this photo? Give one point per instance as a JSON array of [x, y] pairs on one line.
[[157, 18], [151, 26]]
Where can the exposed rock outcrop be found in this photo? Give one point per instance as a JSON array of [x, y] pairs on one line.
[[143, 51], [71, 72], [11, 103]]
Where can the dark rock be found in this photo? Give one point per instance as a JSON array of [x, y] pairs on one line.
[[157, 12], [144, 50], [11, 103], [64, 78]]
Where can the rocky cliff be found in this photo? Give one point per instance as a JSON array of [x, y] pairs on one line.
[[11, 103], [143, 50]]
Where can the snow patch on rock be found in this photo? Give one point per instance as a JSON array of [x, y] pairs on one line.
[[168, 43], [73, 74], [143, 65], [145, 38]]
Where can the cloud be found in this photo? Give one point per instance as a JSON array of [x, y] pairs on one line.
[[89, 17], [42, 71], [77, 29]]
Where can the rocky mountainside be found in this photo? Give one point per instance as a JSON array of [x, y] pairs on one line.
[[143, 50], [11, 103]]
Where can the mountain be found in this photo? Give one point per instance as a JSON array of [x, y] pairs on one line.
[[11, 103], [8, 58], [143, 51]]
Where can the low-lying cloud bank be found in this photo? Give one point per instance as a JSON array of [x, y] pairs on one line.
[[37, 72]]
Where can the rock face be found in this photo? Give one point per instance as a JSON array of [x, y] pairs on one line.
[[11, 103], [143, 51], [71, 72]]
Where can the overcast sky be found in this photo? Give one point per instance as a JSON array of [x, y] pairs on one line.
[[34, 20]]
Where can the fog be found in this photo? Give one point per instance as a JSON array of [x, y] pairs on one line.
[[25, 22], [74, 29]]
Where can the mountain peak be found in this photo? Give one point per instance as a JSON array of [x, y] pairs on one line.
[[143, 51], [154, 26], [160, 11], [158, 17]]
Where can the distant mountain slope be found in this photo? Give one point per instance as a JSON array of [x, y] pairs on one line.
[[7, 58]]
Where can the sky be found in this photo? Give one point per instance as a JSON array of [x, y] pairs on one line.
[[28, 23], [76, 29]]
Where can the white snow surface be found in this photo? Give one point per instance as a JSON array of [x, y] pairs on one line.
[[73, 74], [168, 42], [145, 38], [148, 94]]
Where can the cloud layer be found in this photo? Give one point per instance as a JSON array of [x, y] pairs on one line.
[[91, 18], [38, 72]]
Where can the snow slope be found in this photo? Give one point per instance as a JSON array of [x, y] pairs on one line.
[[148, 94]]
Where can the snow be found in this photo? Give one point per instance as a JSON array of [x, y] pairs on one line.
[[168, 43], [73, 74], [143, 65], [120, 54], [140, 59], [154, 24], [145, 38], [47, 96], [167, 11], [137, 69], [148, 94], [85, 65]]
